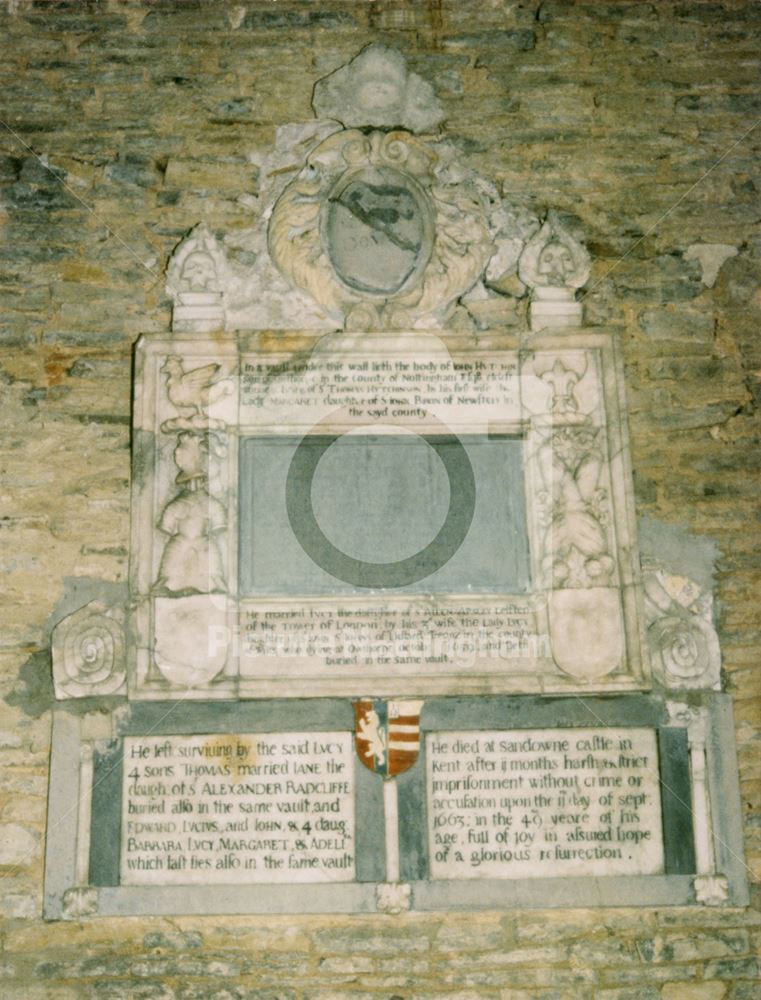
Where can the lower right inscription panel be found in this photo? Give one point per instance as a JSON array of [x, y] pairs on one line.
[[543, 802]]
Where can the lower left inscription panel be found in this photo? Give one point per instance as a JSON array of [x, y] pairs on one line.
[[268, 807]]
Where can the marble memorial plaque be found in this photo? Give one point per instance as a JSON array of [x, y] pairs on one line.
[[544, 802], [270, 807], [348, 552], [379, 511]]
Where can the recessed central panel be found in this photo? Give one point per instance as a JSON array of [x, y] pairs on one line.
[[415, 514], [381, 498]]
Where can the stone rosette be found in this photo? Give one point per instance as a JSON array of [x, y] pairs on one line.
[[89, 653]]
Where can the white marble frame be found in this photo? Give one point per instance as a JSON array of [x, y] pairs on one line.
[[570, 389], [67, 894]]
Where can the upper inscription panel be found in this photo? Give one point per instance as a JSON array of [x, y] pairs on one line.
[[379, 516]]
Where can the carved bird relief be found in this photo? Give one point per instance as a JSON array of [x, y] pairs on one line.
[[192, 392]]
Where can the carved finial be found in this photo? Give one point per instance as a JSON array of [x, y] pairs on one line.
[[194, 281], [554, 265], [377, 89]]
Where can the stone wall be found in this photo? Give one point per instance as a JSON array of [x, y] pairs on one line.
[[125, 124]]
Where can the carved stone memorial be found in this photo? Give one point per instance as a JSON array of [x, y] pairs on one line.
[[389, 642]]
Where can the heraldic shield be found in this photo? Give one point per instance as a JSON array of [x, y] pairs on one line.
[[387, 734]]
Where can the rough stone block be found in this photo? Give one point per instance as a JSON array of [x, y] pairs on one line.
[[18, 845], [695, 947], [694, 991], [677, 323]]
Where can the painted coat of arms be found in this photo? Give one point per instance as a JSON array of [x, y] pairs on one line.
[[387, 734]]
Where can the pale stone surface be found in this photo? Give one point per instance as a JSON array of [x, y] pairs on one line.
[[232, 283], [18, 845], [81, 901], [220, 809], [393, 897], [334, 208], [377, 89], [710, 256], [552, 802], [711, 890], [204, 609]]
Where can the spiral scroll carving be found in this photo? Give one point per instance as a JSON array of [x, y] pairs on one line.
[[89, 653], [684, 650]]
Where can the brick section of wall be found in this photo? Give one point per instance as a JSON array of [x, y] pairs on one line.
[[125, 124]]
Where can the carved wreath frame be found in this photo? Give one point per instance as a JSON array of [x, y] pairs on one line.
[[455, 227]]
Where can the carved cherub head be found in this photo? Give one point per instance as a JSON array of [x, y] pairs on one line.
[[376, 88], [380, 78]]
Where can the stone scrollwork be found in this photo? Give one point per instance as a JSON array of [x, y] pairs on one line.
[[684, 646], [375, 234], [89, 653], [189, 572]]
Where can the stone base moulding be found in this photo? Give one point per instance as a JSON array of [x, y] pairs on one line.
[[271, 810]]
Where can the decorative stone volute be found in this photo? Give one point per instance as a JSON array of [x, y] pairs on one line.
[[684, 646], [377, 89], [89, 653], [195, 283], [554, 265]]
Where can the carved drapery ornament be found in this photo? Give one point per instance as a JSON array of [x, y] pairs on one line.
[[375, 235]]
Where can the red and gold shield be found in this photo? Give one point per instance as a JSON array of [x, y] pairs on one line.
[[387, 734]]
